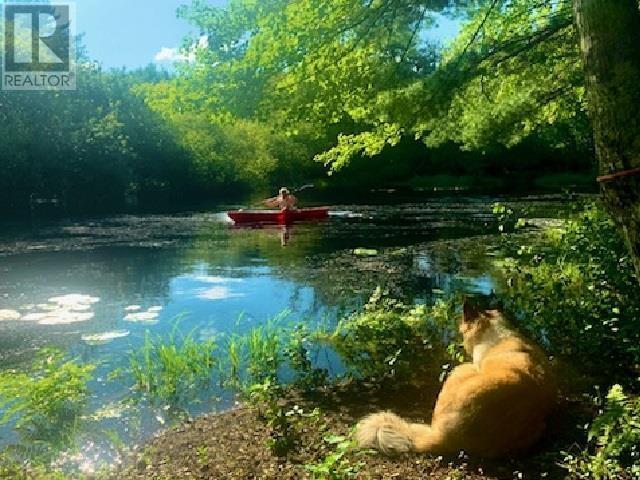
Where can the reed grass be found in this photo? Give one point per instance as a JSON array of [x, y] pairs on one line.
[[172, 369]]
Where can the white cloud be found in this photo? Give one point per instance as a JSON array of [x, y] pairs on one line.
[[203, 41], [174, 54], [167, 54]]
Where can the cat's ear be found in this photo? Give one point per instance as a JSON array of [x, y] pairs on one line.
[[470, 310]]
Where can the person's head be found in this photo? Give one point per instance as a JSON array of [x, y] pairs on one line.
[[284, 192]]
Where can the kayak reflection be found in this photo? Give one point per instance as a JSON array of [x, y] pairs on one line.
[[281, 231], [285, 235]]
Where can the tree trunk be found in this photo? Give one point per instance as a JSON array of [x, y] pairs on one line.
[[609, 32]]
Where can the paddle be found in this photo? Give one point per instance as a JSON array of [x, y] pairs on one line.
[[303, 187]]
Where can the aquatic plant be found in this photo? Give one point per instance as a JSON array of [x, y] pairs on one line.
[[384, 338], [172, 369], [297, 353], [234, 356], [264, 355], [255, 356], [380, 340], [45, 403], [614, 441]]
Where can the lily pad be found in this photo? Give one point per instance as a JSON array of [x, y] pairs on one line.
[[365, 252]]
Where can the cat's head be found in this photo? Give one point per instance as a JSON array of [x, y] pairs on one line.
[[478, 315]]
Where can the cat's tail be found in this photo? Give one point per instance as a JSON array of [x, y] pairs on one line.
[[391, 434]]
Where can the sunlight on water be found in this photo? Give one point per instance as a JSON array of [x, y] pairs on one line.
[[208, 334], [86, 459], [63, 317], [111, 410], [73, 300]]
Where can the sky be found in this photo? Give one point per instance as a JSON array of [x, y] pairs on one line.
[[130, 33], [134, 33]]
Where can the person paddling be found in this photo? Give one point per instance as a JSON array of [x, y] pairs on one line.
[[284, 200]]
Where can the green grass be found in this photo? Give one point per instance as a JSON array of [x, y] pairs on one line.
[[172, 369], [255, 356], [234, 356], [263, 348]]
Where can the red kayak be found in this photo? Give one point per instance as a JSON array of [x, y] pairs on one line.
[[283, 217]]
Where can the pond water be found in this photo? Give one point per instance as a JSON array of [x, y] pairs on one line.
[[93, 287]]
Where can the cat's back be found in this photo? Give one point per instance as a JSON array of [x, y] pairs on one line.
[[503, 406], [511, 373], [516, 359]]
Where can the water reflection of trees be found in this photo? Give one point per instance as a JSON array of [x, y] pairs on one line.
[[341, 277], [114, 273], [407, 273]]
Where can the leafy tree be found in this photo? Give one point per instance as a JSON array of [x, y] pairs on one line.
[[365, 68], [92, 149]]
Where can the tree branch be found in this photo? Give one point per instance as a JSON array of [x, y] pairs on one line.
[[479, 29]]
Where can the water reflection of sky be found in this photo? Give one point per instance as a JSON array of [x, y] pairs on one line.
[[219, 301]]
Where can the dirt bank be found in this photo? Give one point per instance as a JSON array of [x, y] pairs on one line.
[[234, 444]]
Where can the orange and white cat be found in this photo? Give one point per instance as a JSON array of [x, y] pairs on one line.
[[494, 405]]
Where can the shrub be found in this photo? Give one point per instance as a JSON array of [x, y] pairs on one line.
[[385, 337], [614, 442], [574, 288], [297, 352]]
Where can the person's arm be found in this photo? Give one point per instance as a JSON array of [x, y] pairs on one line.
[[271, 202]]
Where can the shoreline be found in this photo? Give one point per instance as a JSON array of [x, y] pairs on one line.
[[233, 444]]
